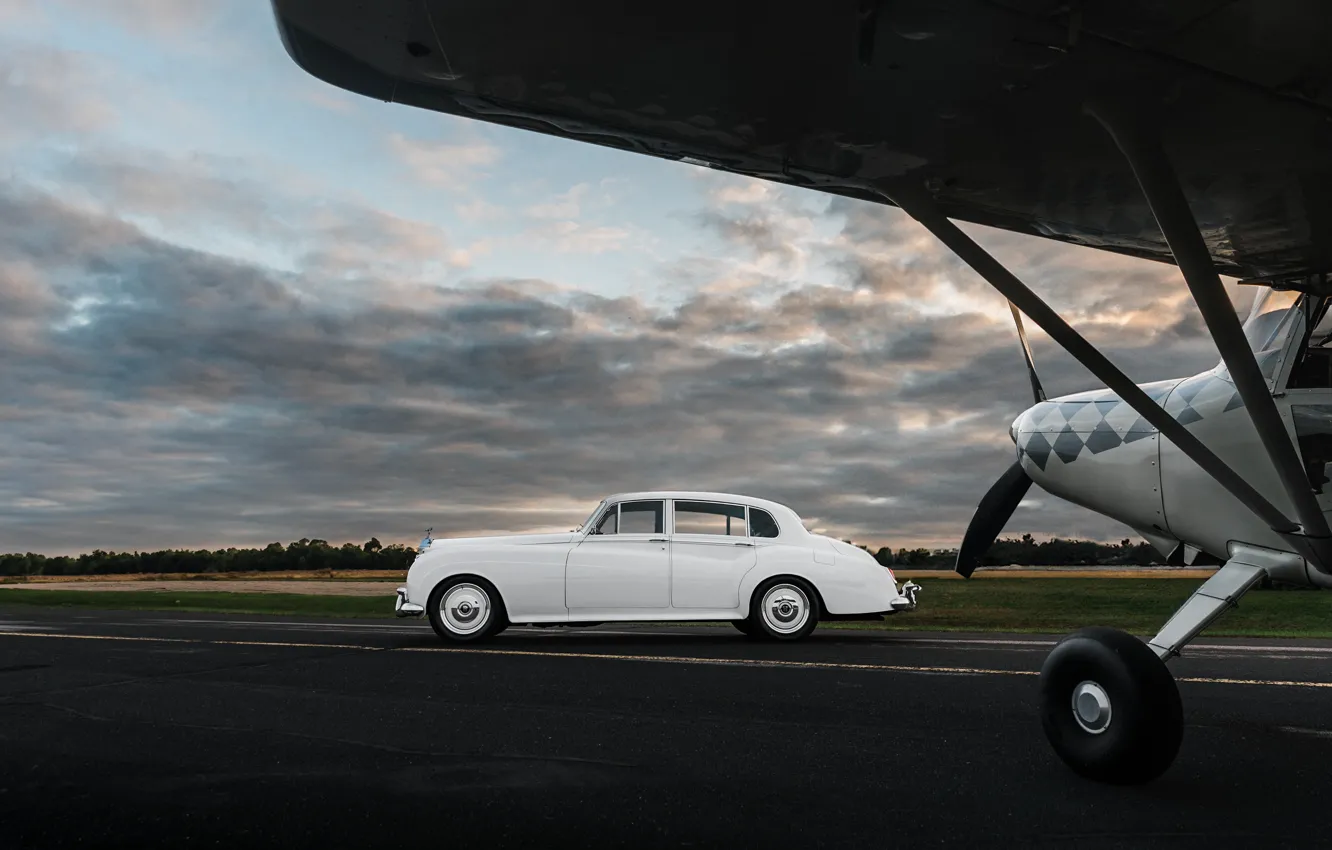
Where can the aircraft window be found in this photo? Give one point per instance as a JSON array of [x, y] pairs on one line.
[[761, 523], [643, 518], [1314, 368], [1313, 431], [709, 518], [1322, 333]]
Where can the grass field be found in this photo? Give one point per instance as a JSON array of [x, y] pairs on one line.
[[1036, 605]]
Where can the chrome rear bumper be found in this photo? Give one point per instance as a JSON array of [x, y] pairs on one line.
[[403, 608], [907, 601]]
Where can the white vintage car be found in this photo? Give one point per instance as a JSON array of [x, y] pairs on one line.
[[653, 556]]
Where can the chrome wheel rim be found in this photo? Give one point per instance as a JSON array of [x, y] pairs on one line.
[[785, 608], [465, 609], [1091, 707]]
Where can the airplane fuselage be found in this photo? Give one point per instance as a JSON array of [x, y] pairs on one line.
[[1092, 449]]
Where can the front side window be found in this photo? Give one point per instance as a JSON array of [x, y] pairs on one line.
[[643, 518], [710, 518], [609, 522], [633, 518]]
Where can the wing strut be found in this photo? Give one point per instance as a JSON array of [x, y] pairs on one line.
[[1142, 148], [1036, 389], [913, 199]]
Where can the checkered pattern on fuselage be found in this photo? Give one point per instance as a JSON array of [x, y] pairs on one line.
[[1102, 421]]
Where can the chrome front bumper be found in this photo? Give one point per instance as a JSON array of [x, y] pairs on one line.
[[403, 608], [907, 601]]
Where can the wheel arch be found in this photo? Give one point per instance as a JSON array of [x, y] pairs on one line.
[[448, 574]]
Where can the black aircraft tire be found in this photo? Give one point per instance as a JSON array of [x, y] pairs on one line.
[[1136, 740]]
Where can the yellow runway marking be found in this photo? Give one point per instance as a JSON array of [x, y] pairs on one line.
[[659, 659], [731, 662]]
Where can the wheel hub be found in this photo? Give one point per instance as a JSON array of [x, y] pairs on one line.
[[1091, 707], [785, 609], [465, 608]]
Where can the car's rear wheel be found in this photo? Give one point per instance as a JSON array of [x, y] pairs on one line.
[[463, 609], [783, 609]]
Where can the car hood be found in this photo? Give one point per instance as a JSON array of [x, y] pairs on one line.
[[502, 540]]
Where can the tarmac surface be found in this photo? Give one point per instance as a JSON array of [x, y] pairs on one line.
[[158, 729]]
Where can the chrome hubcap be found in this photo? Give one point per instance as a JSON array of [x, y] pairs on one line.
[[785, 608], [1091, 707], [465, 608]]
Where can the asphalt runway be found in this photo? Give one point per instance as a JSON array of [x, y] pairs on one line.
[[153, 729]]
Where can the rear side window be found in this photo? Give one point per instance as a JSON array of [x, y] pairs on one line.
[[709, 518], [761, 523]]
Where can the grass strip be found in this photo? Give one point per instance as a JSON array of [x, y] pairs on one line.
[[1025, 605]]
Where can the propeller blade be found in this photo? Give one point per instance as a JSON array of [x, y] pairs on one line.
[[990, 518], [1036, 389]]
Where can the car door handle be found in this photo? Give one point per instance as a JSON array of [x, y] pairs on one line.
[[737, 543], [657, 540]]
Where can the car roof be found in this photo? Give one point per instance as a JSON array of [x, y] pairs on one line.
[[704, 496]]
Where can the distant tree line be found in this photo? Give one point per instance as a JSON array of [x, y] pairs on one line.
[[304, 554], [1027, 552], [320, 556]]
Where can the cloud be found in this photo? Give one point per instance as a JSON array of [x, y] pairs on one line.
[[567, 205], [205, 400], [572, 237], [450, 165], [162, 20], [47, 94], [202, 199]]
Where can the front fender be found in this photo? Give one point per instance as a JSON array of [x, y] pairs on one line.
[[529, 578]]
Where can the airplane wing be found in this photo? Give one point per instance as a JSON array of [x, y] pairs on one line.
[[980, 99]]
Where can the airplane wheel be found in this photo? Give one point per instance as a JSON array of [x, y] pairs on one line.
[[1110, 708]]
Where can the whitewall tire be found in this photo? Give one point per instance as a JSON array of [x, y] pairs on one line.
[[783, 608], [463, 609]]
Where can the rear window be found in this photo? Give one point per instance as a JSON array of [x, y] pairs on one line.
[[761, 523]]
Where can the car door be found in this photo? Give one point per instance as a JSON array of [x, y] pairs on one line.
[[711, 550], [623, 562]]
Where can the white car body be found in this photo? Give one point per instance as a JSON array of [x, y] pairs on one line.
[[676, 574]]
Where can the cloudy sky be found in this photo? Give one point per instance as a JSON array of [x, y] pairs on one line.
[[238, 305]]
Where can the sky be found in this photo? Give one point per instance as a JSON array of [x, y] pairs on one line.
[[238, 305]]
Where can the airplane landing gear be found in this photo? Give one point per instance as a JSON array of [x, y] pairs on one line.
[[1110, 708]]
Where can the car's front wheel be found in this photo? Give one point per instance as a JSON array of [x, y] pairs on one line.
[[783, 609], [466, 608]]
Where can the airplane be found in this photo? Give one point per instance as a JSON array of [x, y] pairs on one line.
[[1192, 133]]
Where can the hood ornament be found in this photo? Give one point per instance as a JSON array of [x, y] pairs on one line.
[[426, 541]]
